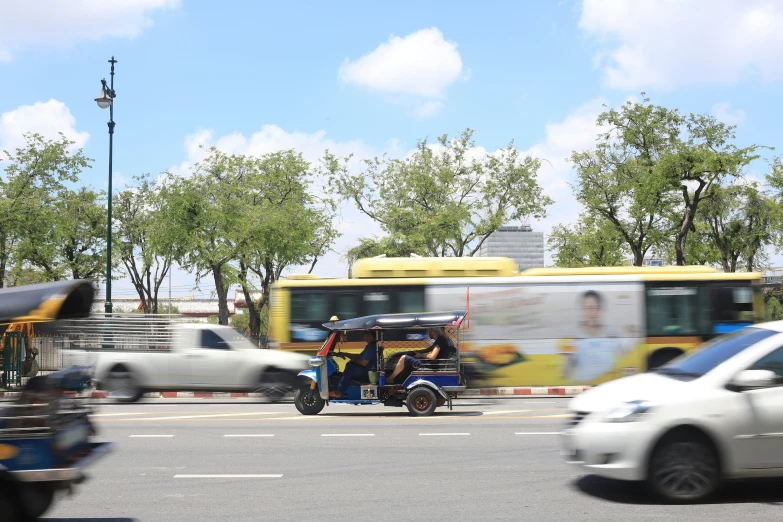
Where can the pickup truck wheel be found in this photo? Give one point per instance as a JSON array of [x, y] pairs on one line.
[[308, 403], [275, 384], [122, 386]]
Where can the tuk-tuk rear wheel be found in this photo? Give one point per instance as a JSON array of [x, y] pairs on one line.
[[421, 402], [308, 403]]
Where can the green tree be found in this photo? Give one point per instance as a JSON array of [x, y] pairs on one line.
[[284, 225], [703, 159], [145, 238], [739, 223], [34, 173], [619, 180], [206, 211], [774, 310], [590, 242], [445, 198]]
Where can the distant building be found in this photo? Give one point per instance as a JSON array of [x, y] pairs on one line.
[[649, 261], [521, 244]]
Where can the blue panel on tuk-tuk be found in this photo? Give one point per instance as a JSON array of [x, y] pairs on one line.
[[31, 454], [353, 393]]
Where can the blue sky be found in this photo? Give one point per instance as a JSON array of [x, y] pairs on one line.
[[371, 77]]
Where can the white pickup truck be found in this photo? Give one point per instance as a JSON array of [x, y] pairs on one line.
[[186, 357]]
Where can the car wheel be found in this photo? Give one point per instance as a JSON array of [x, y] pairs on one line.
[[421, 402], [122, 385], [684, 469], [308, 403], [275, 384]]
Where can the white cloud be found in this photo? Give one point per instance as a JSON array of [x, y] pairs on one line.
[[59, 24], [723, 113], [670, 43], [421, 64], [427, 110], [45, 118]]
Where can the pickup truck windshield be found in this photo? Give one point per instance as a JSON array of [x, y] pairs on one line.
[[720, 350], [236, 339]]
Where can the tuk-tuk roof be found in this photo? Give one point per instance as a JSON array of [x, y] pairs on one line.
[[46, 302], [400, 321]]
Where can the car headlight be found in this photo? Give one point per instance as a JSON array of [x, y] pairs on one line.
[[632, 411]]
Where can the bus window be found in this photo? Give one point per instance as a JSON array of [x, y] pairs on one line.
[[731, 305], [346, 306], [673, 310], [306, 306], [377, 303], [411, 301]]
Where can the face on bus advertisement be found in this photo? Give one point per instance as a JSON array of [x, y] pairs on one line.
[[549, 333]]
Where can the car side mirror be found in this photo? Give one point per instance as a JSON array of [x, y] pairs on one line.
[[750, 379]]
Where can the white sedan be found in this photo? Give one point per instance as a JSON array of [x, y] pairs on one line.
[[711, 414]]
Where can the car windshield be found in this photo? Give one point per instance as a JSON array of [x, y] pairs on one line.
[[704, 360]]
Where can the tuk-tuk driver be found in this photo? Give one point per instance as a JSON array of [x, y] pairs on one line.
[[359, 364]]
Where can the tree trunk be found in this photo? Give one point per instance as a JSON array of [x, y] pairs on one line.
[[254, 319], [222, 293], [638, 256]]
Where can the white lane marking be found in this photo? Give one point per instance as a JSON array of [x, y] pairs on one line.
[[442, 434], [539, 433], [225, 476], [348, 435], [151, 436], [121, 414], [501, 412], [250, 435]]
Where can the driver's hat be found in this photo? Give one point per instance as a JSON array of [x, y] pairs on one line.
[[333, 319]]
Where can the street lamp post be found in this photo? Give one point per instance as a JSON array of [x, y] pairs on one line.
[[106, 101]]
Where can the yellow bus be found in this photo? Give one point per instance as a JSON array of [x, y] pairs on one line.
[[540, 327]]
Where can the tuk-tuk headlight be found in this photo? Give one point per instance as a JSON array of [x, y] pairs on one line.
[[316, 362]]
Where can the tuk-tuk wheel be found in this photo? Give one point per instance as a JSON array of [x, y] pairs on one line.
[[421, 402], [9, 507], [308, 403], [35, 498]]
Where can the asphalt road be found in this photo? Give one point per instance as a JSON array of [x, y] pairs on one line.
[[242, 461]]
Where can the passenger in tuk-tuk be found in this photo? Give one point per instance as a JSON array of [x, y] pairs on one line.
[[359, 364], [441, 348]]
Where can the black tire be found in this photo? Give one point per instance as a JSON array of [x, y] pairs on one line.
[[684, 468], [307, 403], [421, 402], [122, 385], [35, 498], [661, 357], [9, 505], [275, 384]]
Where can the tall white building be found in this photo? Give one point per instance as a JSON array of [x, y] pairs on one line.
[[518, 243]]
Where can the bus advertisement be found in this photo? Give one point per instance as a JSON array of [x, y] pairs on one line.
[[542, 327]]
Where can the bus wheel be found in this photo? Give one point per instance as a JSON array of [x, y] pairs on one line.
[[661, 357], [308, 403], [421, 402]]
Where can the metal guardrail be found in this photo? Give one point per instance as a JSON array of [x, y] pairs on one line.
[[120, 332]]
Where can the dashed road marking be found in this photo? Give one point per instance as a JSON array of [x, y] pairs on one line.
[[250, 435], [348, 435], [226, 476]]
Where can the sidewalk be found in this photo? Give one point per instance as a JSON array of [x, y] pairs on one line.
[[520, 391]]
